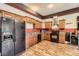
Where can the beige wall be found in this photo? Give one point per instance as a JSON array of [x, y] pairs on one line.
[[70, 20]]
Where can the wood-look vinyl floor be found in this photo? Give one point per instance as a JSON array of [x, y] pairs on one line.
[[47, 48]]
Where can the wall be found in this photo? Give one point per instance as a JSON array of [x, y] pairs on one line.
[[70, 20]]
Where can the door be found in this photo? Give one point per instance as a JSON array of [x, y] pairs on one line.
[[61, 24], [0, 36], [7, 37], [20, 36]]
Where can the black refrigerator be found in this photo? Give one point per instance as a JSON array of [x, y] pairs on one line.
[[12, 37]]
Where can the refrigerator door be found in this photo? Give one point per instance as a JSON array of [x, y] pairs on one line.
[[20, 37], [0, 35], [7, 37]]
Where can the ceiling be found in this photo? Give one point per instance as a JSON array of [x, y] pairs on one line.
[[47, 10], [44, 9]]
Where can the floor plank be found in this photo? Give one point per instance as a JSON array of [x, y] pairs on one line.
[[47, 48]]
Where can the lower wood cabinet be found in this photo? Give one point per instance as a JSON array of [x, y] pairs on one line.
[[47, 36], [31, 39], [61, 37]]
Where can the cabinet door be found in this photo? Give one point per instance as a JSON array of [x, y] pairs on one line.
[[34, 39], [38, 25], [62, 24], [27, 41], [48, 25], [8, 15], [62, 37], [31, 40], [47, 36]]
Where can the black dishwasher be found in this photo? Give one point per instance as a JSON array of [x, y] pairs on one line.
[[39, 38], [74, 40]]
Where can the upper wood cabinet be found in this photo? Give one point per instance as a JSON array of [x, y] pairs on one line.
[[48, 25], [7, 15], [61, 24], [11, 16], [19, 18], [38, 25]]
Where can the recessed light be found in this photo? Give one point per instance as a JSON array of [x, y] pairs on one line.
[[50, 6], [34, 8]]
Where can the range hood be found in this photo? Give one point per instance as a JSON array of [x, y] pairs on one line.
[[55, 24]]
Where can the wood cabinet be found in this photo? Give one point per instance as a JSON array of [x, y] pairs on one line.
[[0, 13], [7, 15], [38, 25], [31, 39], [61, 24], [19, 18], [48, 25], [47, 36], [61, 37]]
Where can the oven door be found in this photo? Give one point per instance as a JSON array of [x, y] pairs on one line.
[[54, 36]]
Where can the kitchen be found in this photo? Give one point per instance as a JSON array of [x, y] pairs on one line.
[[23, 30]]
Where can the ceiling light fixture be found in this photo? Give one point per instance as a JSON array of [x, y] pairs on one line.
[[50, 6], [34, 8]]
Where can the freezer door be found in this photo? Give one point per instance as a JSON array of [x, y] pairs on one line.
[[7, 37], [20, 37]]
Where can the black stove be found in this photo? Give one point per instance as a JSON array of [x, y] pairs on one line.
[[54, 36]]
